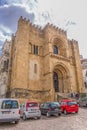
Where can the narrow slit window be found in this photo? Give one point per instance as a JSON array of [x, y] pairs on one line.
[[35, 68], [36, 50]]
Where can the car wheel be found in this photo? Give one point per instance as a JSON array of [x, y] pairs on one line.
[[65, 112], [24, 117], [48, 115], [16, 122], [59, 114], [38, 117], [79, 105]]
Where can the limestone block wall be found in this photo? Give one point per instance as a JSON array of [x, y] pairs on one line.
[[31, 74], [78, 67]]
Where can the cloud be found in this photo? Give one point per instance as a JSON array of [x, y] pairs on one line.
[[4, 36], [30, 3], [9, 16], [2, 2], [70, 23], [5, 29], [10, 11]]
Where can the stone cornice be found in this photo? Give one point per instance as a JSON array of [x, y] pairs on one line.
[[28, 90], [60, 57]]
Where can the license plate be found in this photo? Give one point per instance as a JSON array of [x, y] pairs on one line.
[[73, 106], [33, 109], [56, 109], [5, 112]]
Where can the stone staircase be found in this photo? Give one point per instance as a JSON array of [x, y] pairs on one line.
[[60, 96]]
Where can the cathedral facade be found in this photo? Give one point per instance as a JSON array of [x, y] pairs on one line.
[[42, 63]]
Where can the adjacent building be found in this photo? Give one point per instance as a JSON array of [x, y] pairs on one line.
[[84, 71], [4, 61]]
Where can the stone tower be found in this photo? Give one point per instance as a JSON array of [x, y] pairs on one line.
[[43, 63]]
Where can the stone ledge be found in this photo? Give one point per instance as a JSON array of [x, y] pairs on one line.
[[60, 57]]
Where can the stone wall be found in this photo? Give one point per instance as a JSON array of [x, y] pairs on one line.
[[31, 75]]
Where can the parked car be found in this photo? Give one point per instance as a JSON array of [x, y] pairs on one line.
[[50, 108], [69, 106], [30, 109], [83, 102], [9, 110]]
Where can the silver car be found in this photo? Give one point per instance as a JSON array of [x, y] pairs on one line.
[[83, 102], [30, 109]]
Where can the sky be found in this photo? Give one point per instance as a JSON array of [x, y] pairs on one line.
[[69, 15]]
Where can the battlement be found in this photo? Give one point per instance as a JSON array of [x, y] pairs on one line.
[[36, 28], [59, 30], [27, 22], [23, 20], [39, 29], [72, 41]]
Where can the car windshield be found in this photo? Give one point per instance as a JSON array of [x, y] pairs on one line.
[[71, 103], [84, 99], [9, 104], [32, 104], [55, 104]]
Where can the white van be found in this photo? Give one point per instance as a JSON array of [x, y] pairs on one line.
[[9, 110]]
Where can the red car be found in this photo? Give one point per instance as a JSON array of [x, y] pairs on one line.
[[69, 106]]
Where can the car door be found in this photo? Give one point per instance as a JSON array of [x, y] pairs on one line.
[[46, 108], [83, 102], [63, 105], [22, 109], [86, 102], [42, 108]]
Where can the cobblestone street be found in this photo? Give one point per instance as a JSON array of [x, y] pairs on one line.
[[64, 122]]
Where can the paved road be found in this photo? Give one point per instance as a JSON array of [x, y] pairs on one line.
[[65, 122]]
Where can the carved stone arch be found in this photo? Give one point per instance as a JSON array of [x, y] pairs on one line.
[[51, 39], [60, 43], [63, 81], [62, 65]]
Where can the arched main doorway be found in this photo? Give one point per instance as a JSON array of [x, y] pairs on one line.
[[55, 82], [61, 79]]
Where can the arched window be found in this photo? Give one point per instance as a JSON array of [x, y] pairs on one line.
[[55, 81], [55, 49]]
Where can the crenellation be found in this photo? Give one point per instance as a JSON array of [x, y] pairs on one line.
[[59, 30], [31, 24], [36, 27], [74, 41], [23, 21], [69, 41]]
